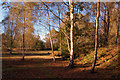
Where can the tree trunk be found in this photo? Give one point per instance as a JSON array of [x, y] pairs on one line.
[[60, 33], [96, 36], [118, 26], [51, 41], [71, 34], [108, 25], [23, 39], [23, 47], [118, 35], [11, 39]]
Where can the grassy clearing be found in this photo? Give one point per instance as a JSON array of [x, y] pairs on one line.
[[30, 55], [30, 52]]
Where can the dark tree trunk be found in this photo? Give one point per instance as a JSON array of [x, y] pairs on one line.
[[23, 48], [11, 41], [118, 35], [108, 25], [118, 26], [23, 54]]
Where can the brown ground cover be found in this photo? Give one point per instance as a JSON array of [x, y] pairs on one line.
[[45, 68]]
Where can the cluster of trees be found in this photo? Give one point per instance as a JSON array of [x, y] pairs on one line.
[[19, 29], [74, 27]]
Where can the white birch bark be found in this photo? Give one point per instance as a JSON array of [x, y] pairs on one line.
[[71, 32], [51, 41]]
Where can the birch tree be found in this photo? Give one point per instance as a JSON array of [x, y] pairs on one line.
[[96, 36], [51, 41], [71, 33]]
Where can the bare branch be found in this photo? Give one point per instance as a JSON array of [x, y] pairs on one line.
[[52, 12]]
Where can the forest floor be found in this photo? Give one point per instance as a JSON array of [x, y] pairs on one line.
[[44, 67]]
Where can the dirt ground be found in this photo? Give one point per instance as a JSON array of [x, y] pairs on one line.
[[31, 68]]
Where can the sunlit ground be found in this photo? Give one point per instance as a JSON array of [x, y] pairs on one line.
[[30, 55], [42, 66]]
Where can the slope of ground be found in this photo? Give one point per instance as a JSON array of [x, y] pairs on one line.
[[106, 57]]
